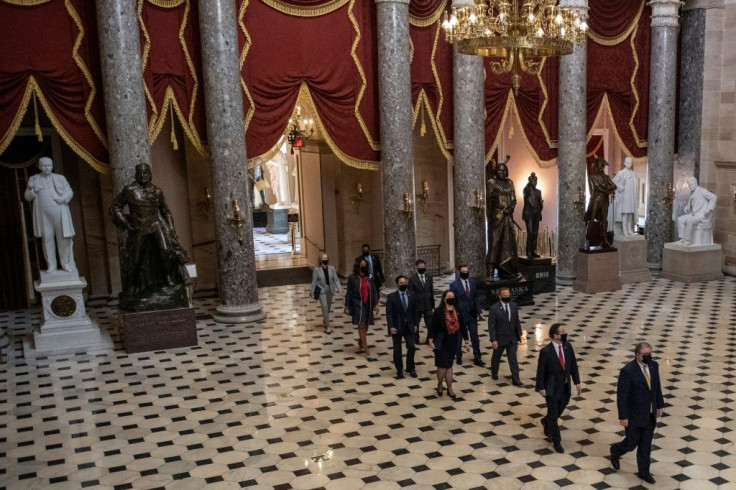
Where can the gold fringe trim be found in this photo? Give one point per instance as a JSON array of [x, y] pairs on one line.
[[26, 3], [550, 143], [288, 9], [441, 94], [430, 19], [594, 152], [167, 4], [606, 108], [243, 54], [17, 120], [423, 105], [253, 162], [612, 41], [36, 126], [639, 142], [172, 136], [364, 81], [144, 64], [506, 109]]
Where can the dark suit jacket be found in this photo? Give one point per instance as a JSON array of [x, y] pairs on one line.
[[469, 306], [550, 375], [634, 398], [353, 299], [396, 317], [378, 278], [500, 328], [438, 330], [424, 293]]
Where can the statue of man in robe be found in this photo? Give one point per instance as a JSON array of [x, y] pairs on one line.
[[625, 203], [501, 201], [596, 216], [532, 215]]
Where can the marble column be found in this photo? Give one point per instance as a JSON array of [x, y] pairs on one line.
[[397, 156], [661, 134], [122, 80], [571, 156], [469, 175], [226, 135]]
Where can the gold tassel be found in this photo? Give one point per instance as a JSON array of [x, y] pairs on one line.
[[37, 126], [422, 122], [173, 133]]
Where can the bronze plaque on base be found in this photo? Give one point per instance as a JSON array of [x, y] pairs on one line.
[[158, 330]]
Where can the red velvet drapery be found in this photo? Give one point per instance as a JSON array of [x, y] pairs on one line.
[[431, 71], [618, 73], [172, 68], [329, 59], [51, 53]]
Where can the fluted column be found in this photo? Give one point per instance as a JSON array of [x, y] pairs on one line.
[[397, 156], [661, 134], [571, 155], [122, 79], [226, 138], [469, 176]]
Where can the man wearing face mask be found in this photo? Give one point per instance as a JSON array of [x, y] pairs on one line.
[[504, 328], [467, 300], [421, 285], [325, 284], [402, 321], [557, 363], [640, 403], [375, 271]]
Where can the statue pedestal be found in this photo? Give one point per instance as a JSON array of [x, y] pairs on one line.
[[521, 291], [158, 330], [692, 263], [277, 221], [632, 259], [540, 272], [66, 327], [597, 271]]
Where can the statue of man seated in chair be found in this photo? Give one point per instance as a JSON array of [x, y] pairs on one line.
[[699, 210]]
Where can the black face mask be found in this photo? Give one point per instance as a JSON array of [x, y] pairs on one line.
[[646, 359], [366, 254], [364, 270], [325, 262], [421, 270], [402, 287], [506, 300], [450, 301], [563, 337], [464, 275]]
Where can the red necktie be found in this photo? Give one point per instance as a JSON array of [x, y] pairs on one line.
[[562, 358]]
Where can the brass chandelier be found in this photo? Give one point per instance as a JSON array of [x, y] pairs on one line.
[[518, 31]]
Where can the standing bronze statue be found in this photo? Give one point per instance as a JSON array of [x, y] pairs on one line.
[[501, 201], [532, 215], [152, 260], [596, 216]]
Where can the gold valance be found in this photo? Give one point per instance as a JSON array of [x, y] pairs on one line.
[[297, 11]]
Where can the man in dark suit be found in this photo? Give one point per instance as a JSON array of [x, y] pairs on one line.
[[422, 287], [640, 403], [375, 271], [504, 328], [467, 301], [402, 321], [556, 365]]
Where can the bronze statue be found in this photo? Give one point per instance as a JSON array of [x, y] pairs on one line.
[[501, 200], [596, 216], [532, 215], [152, 260]]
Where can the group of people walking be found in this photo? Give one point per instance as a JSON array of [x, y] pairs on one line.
[[452, 329]]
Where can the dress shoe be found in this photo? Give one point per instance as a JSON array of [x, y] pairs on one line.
[[615, 461], [412, 373], [451, 395], [439, 390], [478, 362], [647, 477], [559, 448], [400, 376], [494, 376], [544, 426], [518, 383]]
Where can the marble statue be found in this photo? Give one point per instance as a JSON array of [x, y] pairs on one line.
[[50, 194], [699, 214], [532, 215], [596, 216], [625, 203], [279, 180], [152, 261], [501, 201]]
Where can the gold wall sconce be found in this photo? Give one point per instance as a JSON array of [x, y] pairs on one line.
[[357, 198], [479, 202], [580, 203], [408, 208], [237, 222], [423, 198]]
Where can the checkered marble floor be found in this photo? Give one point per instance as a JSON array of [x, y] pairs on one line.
[[269, 243], [283, 405]]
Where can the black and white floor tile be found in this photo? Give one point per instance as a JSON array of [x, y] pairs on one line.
[[284, 405], [273, 243]]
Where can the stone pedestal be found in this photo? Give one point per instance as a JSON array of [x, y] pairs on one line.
[[66, 326], [692, 263], [158, 330], [521, 291], [632, 259], [597, 271], [277, 220], [540, 272]]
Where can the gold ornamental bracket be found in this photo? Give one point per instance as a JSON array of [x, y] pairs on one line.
[[580, 203], [237, 222]]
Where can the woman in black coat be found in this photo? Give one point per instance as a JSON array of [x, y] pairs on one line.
[[361, 302], [445, 338]]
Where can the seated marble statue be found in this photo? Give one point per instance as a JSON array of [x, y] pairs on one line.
[[152, 261], [50, 194], [625, 203], [699, 211]]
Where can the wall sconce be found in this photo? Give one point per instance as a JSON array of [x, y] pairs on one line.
[[236, 222], [357, 198], [424, 196], [479, 203], [669, 195], [580, 203], [205, 205], [408, 208]]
